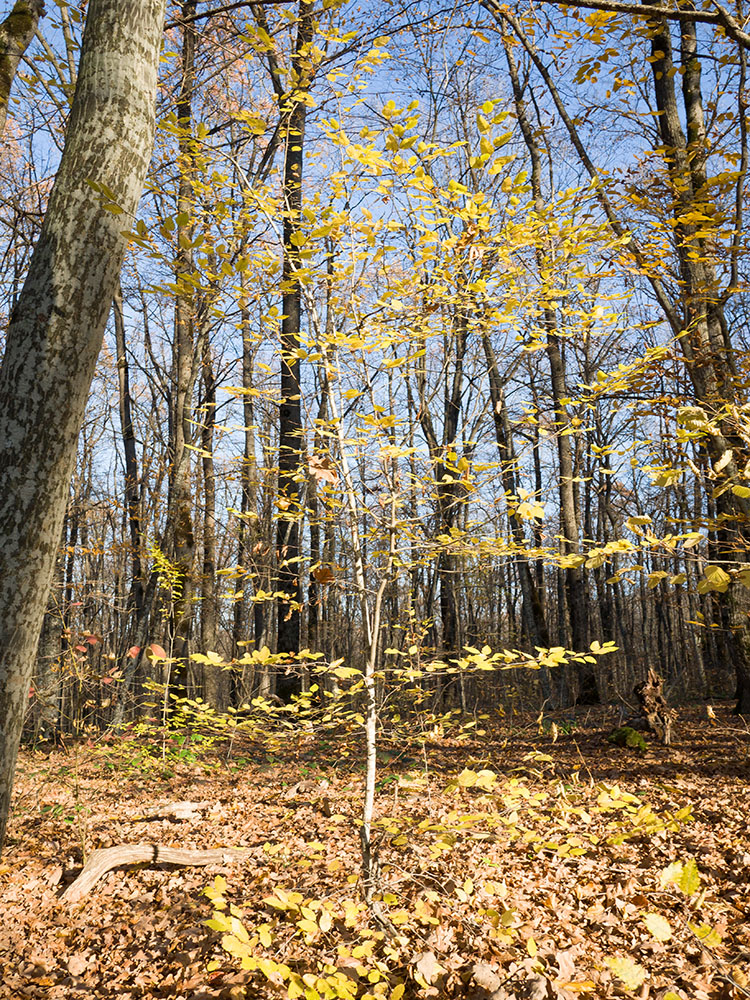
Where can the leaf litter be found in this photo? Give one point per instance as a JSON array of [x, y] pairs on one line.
[[509, 866]]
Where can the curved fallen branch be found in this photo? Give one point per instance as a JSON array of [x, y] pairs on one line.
[[107, 858]]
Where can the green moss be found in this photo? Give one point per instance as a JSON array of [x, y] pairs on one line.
[[627, 737]]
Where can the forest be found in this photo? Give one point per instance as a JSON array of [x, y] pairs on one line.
[[374, 491]]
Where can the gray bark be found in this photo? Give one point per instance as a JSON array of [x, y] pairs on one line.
[[56, 329], [707, 346], [16, 33], [447, 490]]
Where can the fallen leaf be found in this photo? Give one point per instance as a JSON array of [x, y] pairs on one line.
[[428, 967], [77, 964]]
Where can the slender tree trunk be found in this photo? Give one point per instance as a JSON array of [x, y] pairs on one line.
[[132, 479], [290, 410], [47, 680], [315, 590], [180, 533], [213, 677], [581, 682], [247, 532], [532, 609], [446, 487], [56, 329]]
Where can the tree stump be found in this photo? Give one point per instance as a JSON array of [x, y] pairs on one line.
[[657, 715]]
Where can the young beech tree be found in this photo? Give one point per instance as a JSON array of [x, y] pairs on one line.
[[56, 328]]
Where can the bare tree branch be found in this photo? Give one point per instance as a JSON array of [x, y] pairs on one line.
[[719, 16]]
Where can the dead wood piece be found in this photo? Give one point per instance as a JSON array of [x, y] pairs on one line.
[[107, 858], [177, 811], [654, 708]]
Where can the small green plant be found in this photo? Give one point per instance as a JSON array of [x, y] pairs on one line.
[[627, 737]]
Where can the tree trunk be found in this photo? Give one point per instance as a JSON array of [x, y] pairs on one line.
[[132, 479], [446, 487], [213, 677], [16, 33], [532, 609], [180, 532], [580, 681], [56, 329], [706, 343], [290, 410]]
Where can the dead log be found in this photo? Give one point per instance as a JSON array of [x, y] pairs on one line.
[[655, 711], [107, 858]]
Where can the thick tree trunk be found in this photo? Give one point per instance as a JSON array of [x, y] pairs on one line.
[[56, 329], [16, 33]]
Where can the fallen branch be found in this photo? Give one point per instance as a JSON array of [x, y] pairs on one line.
[[104, 860]]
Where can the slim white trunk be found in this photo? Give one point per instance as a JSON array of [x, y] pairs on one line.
[[56, 329]]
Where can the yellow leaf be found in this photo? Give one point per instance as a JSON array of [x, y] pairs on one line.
[[690, 879], [714, 578], [671, 874], [706, 934], [630, 974], [724, 461], [658, 926], [308, 926]]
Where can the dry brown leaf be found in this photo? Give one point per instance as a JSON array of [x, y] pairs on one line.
[[485, 976], [428, 967], [77, 964], [323, 469]]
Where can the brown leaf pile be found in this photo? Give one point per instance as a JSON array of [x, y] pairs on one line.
[[544, 886]]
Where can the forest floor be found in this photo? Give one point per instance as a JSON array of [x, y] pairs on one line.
[[511, 865]]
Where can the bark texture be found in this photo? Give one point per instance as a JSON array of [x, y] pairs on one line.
[[56, 329], [16, 33]]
